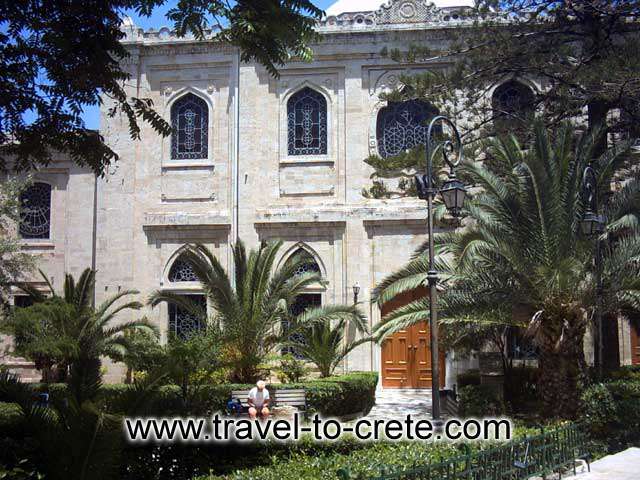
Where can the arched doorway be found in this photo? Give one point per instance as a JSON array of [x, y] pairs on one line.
[[406, 355]]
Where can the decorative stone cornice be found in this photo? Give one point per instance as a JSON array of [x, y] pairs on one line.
[[399, 14], [392, 16]]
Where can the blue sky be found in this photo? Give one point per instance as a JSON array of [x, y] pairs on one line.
[[91, 114]]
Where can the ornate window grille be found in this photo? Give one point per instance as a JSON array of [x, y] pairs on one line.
[[190, 121], [310, 266], [182, 271], [184, 324], [402, 126], [512, 102], [307, 123], [35, 211], [300, 305]]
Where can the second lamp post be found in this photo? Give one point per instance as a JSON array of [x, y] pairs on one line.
[[453, 193]]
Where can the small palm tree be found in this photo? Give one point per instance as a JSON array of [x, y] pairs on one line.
[[252, 312], [322, 342], [76, 437], [521, 256], [87, 332]]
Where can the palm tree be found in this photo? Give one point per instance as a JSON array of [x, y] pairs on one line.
[[76, 437], [520, 258], [87, 332], [253, 311], [323, 343]]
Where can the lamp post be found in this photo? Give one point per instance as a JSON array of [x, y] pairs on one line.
[[453, 193], [593, 225], [356, 291]]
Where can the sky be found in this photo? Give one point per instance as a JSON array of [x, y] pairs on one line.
[[91, 114]]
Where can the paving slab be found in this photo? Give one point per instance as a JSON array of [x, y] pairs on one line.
[[623, 465]]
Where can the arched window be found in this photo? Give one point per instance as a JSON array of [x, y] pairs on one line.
[[190, 120], [182, 271], [185, 324], [304, 301], [307, 123], [35, 211], [309, 266], [402, 126], [513, 104]]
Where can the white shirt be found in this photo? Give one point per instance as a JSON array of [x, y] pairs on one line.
[[258, 397]]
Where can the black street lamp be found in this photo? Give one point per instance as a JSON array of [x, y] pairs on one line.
[[356, 291], [593, 225], [453, 193]]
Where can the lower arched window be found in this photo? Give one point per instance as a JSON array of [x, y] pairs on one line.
[[35, 211], [401, 126]]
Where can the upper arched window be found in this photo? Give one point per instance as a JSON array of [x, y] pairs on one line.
[[182, 271], [190, 120], [402, 126], [307, 123], [35, 211], [513, 105], [309, 266]]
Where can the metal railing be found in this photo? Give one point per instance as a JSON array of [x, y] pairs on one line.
[[552, 451]]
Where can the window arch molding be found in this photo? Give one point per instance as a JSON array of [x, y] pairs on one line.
[[173, 96], [331, 127], [291, 251], [35, 221], [169, 283]]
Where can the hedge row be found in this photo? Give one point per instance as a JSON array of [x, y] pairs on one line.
[[338, 396], [612, 413]]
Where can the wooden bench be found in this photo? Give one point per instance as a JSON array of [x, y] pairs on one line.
[[294, 397]]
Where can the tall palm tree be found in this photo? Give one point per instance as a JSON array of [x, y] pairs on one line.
[[253, 311], [88, 332], [521, 257]]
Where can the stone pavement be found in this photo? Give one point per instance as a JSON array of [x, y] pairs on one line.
[[395, 403], [621, 466]]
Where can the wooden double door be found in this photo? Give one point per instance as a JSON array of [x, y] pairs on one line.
[[406, 355]]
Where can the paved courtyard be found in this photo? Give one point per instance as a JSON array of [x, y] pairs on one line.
[[392, 403], [621, 466]]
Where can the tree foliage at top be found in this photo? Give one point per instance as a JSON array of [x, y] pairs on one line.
[[584, 57], [57, 57]]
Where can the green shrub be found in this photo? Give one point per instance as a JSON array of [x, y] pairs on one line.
[[10, 416], [362, 463], [333, 396], [470, 377], [479, 401], [291, 370], [612, 413]]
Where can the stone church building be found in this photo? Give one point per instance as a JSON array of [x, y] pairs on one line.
[[258, 158]]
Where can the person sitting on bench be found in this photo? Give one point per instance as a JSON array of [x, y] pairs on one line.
[[259, 400]]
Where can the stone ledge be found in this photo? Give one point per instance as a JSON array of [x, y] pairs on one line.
[[186, 220], [408, 211]]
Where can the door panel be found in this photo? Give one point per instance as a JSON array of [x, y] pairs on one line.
[[406, 355], [635, 345], [395, 360]]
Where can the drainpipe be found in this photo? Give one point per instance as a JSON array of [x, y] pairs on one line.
[[235, 221], [94, 232]]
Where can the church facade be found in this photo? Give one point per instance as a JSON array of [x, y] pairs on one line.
[[260, 158]]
